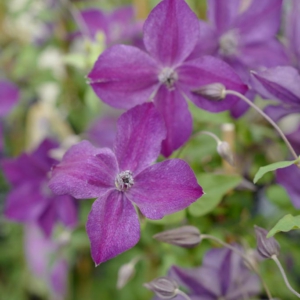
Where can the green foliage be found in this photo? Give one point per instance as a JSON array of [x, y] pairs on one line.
[[287, 223]]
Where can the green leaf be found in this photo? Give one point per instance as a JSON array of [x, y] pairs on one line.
[[272, 167], [285, 224], [170, 219], [215, 187]]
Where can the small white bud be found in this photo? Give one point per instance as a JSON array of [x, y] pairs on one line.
[[126, 272], [225, 152], [214, 91]]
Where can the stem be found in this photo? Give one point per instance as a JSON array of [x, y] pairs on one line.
[[184, 295], [241, 254], [274, 257], [234, 93]]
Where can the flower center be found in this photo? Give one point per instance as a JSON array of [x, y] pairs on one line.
[[124, 180], [229, 43], [168, 77]]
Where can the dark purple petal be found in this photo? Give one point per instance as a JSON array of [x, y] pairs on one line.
[[165, 188], [85, 172], [139, 136], [178, 120], [294, 139], [113, 226], [9, 96], [289, 178], [25, 203], [95, 21], [124, 76], [277, 112], [206, 70], [66, 210], [171, 32], [198, 281], [281, 83], [222, 14], [264, 15], [241, 107], [47, 218]]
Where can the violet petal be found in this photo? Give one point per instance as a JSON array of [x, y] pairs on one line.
[[165, 188], [124, 76], [206, 70], [178, 120], [113, 226], [9, 96], [85, 172], [139, 136], [171, 32], [67, 210]]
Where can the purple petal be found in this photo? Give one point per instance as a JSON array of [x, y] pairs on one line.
[[206, 70], [171, 32], [85, 172], [222, 13], [124, 76], [47, 219], [241, 107], [113, 226], [177, 117], [281, 83], [95, 21], [289, 178], [268, 54], [165, 188], [264, 15], [139, 136], [294, 139], [59, 277], [9, 96], [67, 210], [25, 203], [277, 112]]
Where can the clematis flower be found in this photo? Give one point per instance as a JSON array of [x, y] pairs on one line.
[[117, 26], [233, 36], [222, 275], [281, 84], [45, 260], [125, 76], [123, 178], [30, 200]]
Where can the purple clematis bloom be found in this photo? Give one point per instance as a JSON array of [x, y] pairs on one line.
[[223, 275], [45, 260], [125, 76], [232, 35], [118, 26], [289, 178], [123, 178], [30, 199], [281, 84]]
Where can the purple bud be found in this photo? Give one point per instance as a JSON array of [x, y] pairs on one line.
[[185, 236], [214, 91], [163, 287], [266, 247], [225, 152]]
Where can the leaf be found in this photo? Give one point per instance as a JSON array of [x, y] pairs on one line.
[[215, 187], [272, 167], [170, 219], [285, 224]]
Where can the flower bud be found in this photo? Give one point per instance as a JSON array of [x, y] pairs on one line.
[[225, 152], [185, 236], [214, 91], [266, 247], [163, 287], [126, 272]]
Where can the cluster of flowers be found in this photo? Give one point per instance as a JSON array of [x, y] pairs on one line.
[[179, 58]]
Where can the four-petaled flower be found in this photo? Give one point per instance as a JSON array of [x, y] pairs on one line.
[[123, 178], [30, 200], [125, 76]]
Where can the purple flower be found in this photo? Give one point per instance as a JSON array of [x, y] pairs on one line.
[[117, 26], [222, 275], [45, 260], [125, 177], [281, 84], [125, 76], [289, 178], [30, 199], [9, 96], [233, 35]]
